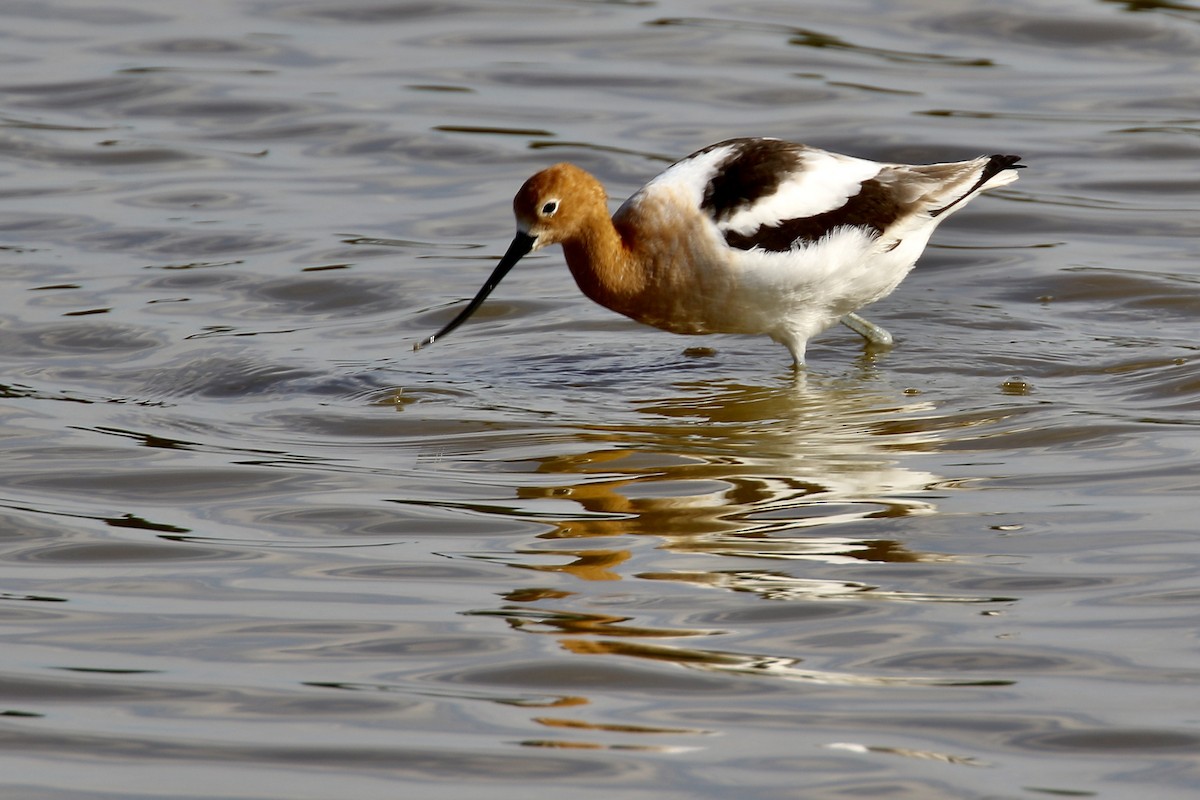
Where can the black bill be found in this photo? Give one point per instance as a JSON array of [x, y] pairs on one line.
[[522, 243]]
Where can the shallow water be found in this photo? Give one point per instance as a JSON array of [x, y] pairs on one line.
[[254, 547]]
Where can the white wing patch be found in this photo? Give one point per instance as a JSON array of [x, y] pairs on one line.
[[823, 182], [692, 175]]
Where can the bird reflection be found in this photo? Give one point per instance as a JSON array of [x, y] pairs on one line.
[[768, 666], [748, 471], [759, 492]]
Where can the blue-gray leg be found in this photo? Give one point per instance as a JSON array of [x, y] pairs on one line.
[[868, 330]]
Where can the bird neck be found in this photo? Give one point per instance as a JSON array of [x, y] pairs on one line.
[[602, 263]]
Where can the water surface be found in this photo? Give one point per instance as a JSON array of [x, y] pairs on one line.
[[254, 547]]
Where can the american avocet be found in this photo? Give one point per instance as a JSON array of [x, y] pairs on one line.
[[745, 236]]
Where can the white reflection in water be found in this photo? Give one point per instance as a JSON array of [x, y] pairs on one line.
[[750, 471], [760, 665]]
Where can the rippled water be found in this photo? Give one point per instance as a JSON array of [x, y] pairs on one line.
[[254, 547]]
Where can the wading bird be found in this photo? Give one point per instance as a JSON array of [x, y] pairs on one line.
[[752, 236]]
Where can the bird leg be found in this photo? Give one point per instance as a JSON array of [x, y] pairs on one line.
[[868, 330]]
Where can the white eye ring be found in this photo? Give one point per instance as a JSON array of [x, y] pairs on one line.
[[549, 208]]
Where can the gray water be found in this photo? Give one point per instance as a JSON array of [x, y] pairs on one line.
[[252, 546]]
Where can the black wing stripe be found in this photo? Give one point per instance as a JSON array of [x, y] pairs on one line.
[[873, 209], [754, 170]]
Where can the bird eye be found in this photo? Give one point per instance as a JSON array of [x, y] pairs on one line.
[[549, 209]]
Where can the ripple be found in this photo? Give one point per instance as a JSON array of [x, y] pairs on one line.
[[216, 112], [214, 376], [167, 485], [995, 661], [1024, 584], [543, 677], [93, 15], [328, 296], [762, 666], [76, 339], [415, 762], [25, 223], [158, 243], [110, 153], [260, 49], [1124, 35], [104, 92], [781, 586], [820, 40], [367, 14], [410, 521], [410, 647], [207, 199], [124, 553], [1111, 740]]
